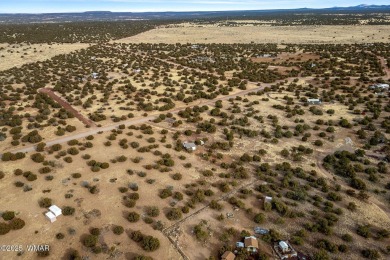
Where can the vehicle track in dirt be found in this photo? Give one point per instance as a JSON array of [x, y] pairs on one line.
[[134, 121], [68, 107]]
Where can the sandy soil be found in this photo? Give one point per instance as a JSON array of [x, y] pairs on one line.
[[286, 56], [108, 201], [189, 33], [19, 54]]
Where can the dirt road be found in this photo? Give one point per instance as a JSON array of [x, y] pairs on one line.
[[169, 231], [68, 107], [135, 121], [385, 66]]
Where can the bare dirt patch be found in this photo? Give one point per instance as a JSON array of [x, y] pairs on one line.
[[293, 57]]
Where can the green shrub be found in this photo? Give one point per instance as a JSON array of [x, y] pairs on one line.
[[358, 184], [215, 205], [17, 223], [37, 157], [31, 176], [165, 193], [150, 243], [136, 236], [97, 249], [347, 238], [44, 253], [118, 230], [90, 241], [8, 215], [174, 214], [363, 230], [177, 176], [68, 211], [76, 175], [201, 232], [152, 211], [94, 231], [133, 217], [129, 203], [4, 228], [45, 202], [259, 218], [370, 254]]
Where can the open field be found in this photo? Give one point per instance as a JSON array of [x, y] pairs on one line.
[[193, 33], [15, 55]]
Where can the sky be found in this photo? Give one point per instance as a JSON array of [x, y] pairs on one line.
[[50, 6]]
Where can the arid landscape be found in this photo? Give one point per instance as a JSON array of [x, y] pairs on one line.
[[252, 33], [196, 140], [16, 55]]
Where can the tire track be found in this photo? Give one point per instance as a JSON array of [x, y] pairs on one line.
[[68, 107]]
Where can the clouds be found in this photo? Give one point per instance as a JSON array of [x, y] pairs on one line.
[[44, 6]]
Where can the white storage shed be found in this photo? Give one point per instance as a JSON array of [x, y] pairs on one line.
[[49, 215], [55, 210]]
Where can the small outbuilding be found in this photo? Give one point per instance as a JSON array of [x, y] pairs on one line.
[[228, 256], [314, 101], [50, 216], [379, 86], [55, 210], [285, 251], [240, 245], [251, 244], [189, 146], [265, 55], [283, 246]]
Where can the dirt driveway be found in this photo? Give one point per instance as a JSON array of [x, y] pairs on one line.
[[68, 107]]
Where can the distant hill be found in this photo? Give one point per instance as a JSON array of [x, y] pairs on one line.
[[361, 7], [97, 12], [121, 16]]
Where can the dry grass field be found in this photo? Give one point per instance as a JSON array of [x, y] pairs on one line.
[[15, 55], [193, 33]]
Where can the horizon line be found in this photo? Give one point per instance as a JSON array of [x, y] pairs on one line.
[[188, 11]]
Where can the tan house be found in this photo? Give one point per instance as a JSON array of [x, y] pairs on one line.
[[251, 244], [228, 256]]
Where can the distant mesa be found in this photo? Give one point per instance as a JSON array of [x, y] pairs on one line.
[[97, 12]]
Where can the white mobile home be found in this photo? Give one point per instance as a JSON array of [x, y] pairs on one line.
[[314, 101], [379, 86], [189, 146]]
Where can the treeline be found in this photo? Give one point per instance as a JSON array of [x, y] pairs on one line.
[[85, 32], [309, 17]]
